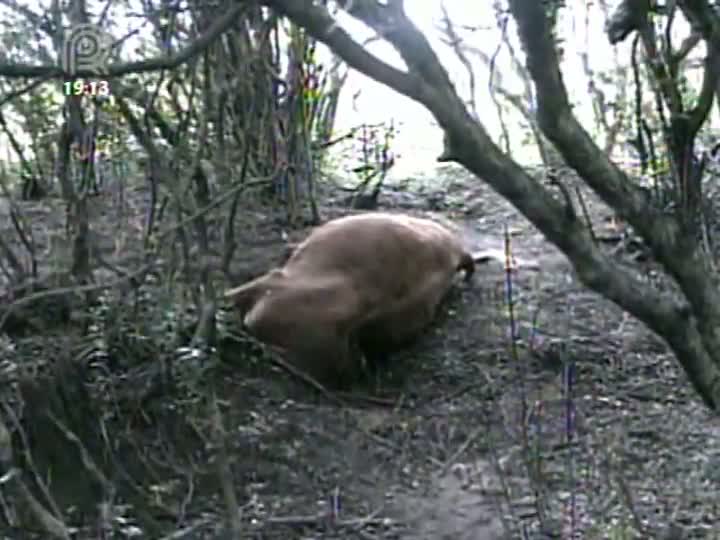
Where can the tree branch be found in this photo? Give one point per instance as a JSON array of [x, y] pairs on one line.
[[662, 233], [577, 147], [472, 147], [318, 22], [705, 21], [222, 24]]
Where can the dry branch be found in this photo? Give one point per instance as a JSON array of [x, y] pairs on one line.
[[692, 329]]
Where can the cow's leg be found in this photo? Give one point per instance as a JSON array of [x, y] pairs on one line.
[[327, 355], [405, 319]]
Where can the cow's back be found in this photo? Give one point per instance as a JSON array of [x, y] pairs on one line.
[[373, 279], [387, 252]]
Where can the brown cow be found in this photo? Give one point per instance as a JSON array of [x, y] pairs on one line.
[[369, 281]]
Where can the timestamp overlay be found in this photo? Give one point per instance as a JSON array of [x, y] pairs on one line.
[[86, 48], [80, 87]]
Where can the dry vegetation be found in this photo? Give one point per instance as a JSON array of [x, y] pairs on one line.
[[577, 401], [437, 448]]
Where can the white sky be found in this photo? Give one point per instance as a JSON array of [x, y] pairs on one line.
[[419, 140]]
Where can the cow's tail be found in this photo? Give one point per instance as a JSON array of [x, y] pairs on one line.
[[488, 255], [467, 265]]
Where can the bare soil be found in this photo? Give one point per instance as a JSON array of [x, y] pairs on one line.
[[466, 437]]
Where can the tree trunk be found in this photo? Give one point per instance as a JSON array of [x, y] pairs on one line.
[[690, 327]]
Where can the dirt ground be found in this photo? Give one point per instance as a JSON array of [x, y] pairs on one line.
[[444, 458], [466, 437]]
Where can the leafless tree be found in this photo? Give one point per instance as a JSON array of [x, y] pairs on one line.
[[690, 323]]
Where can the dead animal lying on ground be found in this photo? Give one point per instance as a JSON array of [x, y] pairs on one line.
[[365, 283]]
